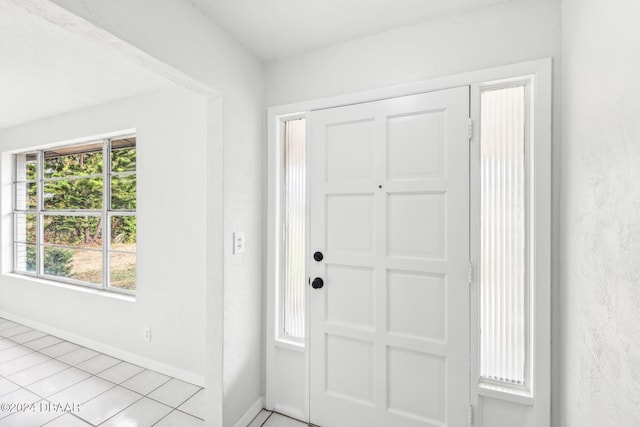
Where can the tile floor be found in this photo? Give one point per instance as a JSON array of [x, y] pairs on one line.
[[272, 419], [61, 384]]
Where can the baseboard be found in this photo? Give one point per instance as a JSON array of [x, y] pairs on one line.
[[251, 413], [118, 353]]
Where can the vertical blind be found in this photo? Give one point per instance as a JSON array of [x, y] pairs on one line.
[[294, 248], [503, 236]]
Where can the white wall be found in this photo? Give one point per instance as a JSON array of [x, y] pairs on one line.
[[171, 145], [508, 33], [600, 230], [504, 34], [176, 33]]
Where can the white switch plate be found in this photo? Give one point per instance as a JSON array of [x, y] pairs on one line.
[[147, 334], [238, 242]]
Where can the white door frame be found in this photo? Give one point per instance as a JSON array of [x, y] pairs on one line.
[[281, 354]]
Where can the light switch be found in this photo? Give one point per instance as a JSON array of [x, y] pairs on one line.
[[238, 242]]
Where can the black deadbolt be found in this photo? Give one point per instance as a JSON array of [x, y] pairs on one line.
[[317, 283], [318, 256]]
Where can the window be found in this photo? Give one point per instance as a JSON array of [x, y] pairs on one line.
[[294, 232], [504, 239], [510, 235], [65, 200]]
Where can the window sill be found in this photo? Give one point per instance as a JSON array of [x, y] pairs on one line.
[[505, 393], [77, 288], [290, 344]]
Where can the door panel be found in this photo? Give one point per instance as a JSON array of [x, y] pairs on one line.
[[389, 334]]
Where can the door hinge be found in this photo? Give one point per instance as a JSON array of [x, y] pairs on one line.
[[470, 415], [470, 273], [470, 128]]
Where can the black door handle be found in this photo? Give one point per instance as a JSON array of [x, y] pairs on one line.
[[317, 283], [318, 256]]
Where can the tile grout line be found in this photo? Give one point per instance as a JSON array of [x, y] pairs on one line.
[[184, 401], [149, 391], [291, 418], [187, 413], [137, 400], [59, 391], [13, 327], [53, 419], [114, 385], [28, 332], [266, 419], [156, 423], [74, 366], [48, 376], [62, 415], [64, 354], [50, 358], [91, 375], [120, 411], [46, 399]]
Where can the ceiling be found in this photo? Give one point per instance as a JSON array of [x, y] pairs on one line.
[[274, 29], [46, 70]]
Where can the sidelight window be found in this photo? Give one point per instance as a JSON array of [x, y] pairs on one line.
[[292, 287], [504, 239]]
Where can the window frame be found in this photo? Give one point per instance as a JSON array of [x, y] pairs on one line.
[[281, 336], [40, 212], [526, 83], [535, 393]]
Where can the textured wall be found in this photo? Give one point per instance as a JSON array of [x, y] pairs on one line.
[[600, 233]]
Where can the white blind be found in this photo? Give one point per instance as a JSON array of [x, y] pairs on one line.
[[503, 263], [294, 249]]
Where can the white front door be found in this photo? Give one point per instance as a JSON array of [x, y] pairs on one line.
[[389, 211]]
